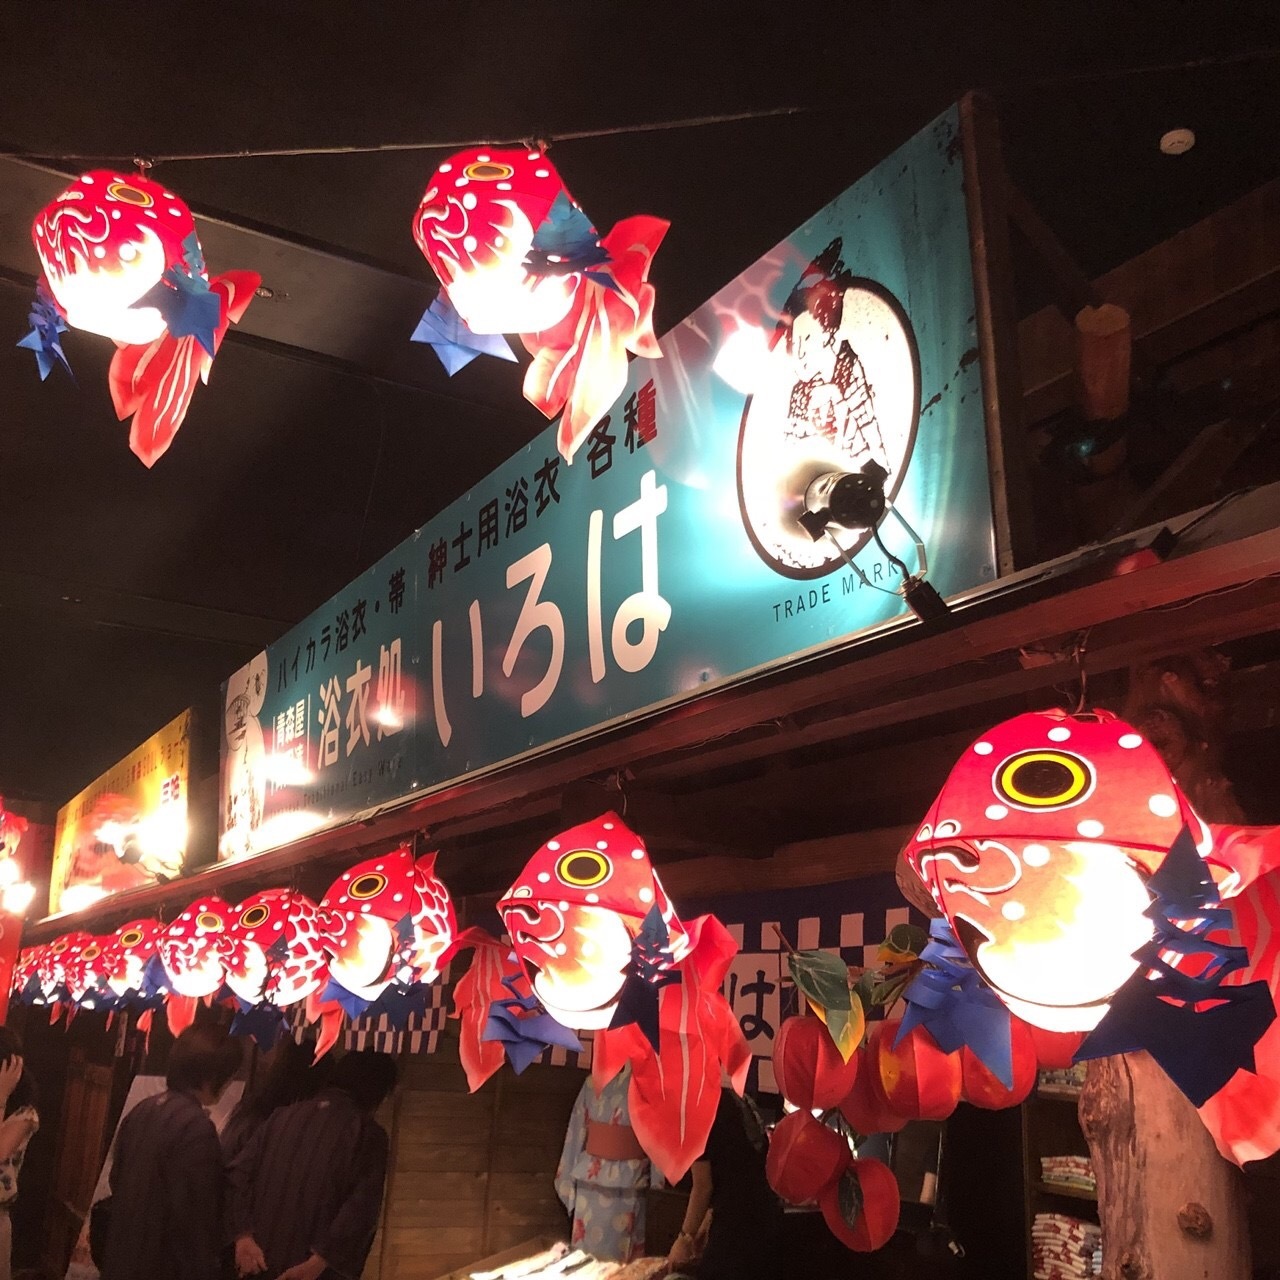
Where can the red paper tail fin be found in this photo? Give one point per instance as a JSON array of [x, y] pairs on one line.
[[154, 384], [181, 1012], [580, 366], [475, 991]]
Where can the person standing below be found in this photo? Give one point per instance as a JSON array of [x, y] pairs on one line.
[[18, 1099], [306, 1192], [165, 1207], [604, 1173], [743, 1236]]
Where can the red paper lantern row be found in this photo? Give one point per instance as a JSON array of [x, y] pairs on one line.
[[879, 1204]]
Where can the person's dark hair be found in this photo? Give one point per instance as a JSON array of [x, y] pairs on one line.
[[203, 1056], [24, 1092], [367, 1076]]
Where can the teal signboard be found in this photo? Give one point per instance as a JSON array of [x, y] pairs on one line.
[[670, 558]]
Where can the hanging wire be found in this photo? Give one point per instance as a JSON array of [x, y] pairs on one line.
[[656, 126]]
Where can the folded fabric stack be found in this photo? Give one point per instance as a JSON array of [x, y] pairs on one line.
[[1062, 1079], [1069, 1171], [562, 1263], [1063, 1248], [1097, 1260]]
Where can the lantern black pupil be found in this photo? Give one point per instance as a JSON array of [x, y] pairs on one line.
[[580, 869], [1043, 779], [487, 172], [366, 886]]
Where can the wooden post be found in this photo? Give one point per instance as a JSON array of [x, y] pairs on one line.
[[986, 192], [1171, 1207]]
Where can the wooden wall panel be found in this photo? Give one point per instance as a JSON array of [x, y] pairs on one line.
[[471, 1174]]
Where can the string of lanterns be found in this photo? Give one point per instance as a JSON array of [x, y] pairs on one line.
[[512, 251]]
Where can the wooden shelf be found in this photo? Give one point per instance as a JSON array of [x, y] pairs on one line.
[[1062, 1189]]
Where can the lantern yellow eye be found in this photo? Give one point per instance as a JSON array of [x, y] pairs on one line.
[[584, 868], [254, 917], [1044, 779], [126, 193], [131, 939], [91, 952], [58, 946], [367, 886], [207, 920], [488, 171]]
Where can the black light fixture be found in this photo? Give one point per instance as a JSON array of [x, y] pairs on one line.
[[857, 500]]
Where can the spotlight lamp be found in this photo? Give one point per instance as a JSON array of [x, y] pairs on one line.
[[857, 500]]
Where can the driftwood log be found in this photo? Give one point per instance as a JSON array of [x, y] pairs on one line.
[[1171, 1207]]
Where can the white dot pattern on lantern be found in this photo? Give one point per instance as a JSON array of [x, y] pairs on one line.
[[1090, 828], [1013, 911], [446, 168], [593, 897], [553, 845], [983, 748], [637, 853], [608, 826], [564, 906], [1163, 806], [996, 811], [925, 832], [484, 159], [646, 895], [1059, 734], [543, 877], [1130, 740], [561, 948], [469, 243], [542, 173], [469, 201], [602, 844], [1035, 855], [948, 827]]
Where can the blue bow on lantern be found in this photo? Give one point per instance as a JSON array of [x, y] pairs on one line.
[[264, 1022], [949, 999], [565, 242], [183, 298], [649, 971], [400, 1002], [447, 334], [45, 338], [524, 1032], [1160, 1008]]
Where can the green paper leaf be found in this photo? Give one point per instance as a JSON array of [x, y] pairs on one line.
[[865, 987], [822, 979], [846, 1026], [850, 1198], [888, 990], [904, 943]]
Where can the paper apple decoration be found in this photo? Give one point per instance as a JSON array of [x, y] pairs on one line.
[[877, 1214], [122, 259], [809, 1068], [805, 1157], [865, 1106], [919, 1080], [982, 1088], [1055, 1050]]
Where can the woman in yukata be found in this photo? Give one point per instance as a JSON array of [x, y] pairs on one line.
[[603, 1174]]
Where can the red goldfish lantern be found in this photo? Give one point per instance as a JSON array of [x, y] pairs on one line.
[[387, 919], [879, 1204], [1037, 850], [805, 1158], [62, 962], [514, 253], [127, 954], [193, 950], [26, 975], [86, 974], [809, 1069], [122, 259], [574, 914], [274, 952]]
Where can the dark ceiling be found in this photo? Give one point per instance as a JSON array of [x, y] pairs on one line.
[[324, 437]]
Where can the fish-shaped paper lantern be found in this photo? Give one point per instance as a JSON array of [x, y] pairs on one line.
[[127, 957], [86, 975], [574, 914], [275, 952], [193, 948], [61, 963], [122, 259], [515, 253], [26, 975], [1038, 849]]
